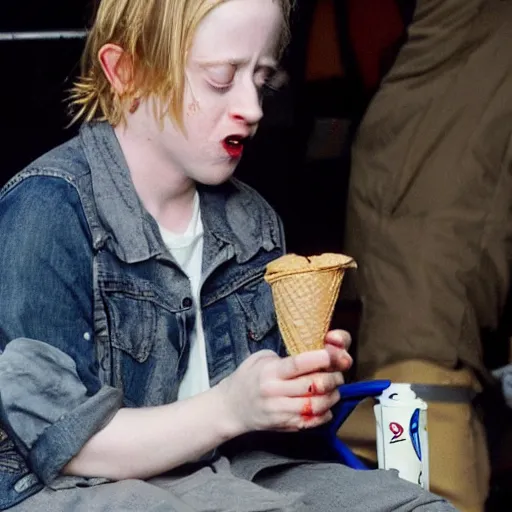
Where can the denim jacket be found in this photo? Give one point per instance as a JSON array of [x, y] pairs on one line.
[[94, 312]]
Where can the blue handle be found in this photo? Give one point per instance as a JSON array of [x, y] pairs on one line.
[[351, 396], [347, 456], [364, 389]]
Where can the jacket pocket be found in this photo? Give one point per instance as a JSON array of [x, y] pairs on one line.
[[145, 347], [133, 323]]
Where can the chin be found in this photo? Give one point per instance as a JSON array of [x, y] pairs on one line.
[[215, 175]]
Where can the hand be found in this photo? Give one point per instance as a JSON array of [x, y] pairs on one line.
[[287, 394]]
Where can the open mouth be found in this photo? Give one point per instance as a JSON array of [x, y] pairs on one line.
[[234, 145]]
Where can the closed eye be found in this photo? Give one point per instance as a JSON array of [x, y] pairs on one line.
[[219, 87], [220, 77]]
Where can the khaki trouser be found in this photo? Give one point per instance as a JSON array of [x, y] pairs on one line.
[[459, 462]]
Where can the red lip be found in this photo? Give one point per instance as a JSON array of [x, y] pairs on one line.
[[233, 149]]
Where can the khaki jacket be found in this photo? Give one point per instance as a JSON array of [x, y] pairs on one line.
[[430, 202]]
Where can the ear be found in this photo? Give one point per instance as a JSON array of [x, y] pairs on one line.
[[117, 67]]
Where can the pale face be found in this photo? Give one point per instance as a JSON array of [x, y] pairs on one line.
[[232, 56]]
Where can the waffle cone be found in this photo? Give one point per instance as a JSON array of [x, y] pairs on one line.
[[305, 291]]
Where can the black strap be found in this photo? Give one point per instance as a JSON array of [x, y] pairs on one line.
[[439, 393]]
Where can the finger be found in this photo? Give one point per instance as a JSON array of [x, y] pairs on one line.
[[339, 338], [307, 385], [314, 421], [322, 403], [302, 364], [317, 405], [292, 413], [291, 407], [303, 424], [341, 360]]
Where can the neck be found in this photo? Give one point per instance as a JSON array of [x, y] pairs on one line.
[[166, 193]]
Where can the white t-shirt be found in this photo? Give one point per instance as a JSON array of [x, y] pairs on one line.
[[187, 250]]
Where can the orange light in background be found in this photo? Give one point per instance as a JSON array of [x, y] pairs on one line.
[[323, 57]]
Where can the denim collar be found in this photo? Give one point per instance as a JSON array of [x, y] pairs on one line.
[[230, 214]]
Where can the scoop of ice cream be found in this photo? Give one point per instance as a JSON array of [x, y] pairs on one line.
[[293, 263]]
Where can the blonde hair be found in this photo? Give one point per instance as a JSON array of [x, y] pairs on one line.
[[155, 36]]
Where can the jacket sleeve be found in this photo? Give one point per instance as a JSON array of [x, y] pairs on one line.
[[51, 399]]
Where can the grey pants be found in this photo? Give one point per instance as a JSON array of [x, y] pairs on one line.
[[251, 483]]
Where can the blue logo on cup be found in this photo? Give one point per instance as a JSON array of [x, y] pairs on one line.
[[414, 431]]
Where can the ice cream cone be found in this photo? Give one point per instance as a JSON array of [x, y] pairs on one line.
[[305, 290]]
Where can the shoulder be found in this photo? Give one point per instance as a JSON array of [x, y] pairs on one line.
[[48, 190], [39, 193], [42, 207], [67, 162]]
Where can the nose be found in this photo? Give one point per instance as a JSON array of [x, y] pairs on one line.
[[246, 105]]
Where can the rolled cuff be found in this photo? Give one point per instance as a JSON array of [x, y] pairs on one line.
[[60, 442], [47, 406]]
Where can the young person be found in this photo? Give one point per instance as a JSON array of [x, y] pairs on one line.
[[142, 366]]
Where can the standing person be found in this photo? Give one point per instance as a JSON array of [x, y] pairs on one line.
[[140, 347], [429, 223]]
